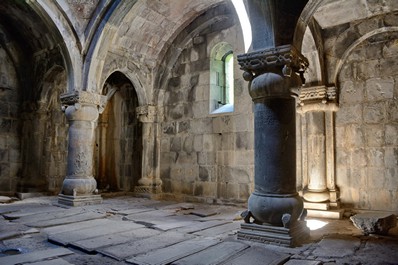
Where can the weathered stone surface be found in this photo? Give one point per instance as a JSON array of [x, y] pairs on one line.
[[374, 223], [135, 247], [97, 242], [112, 227], [214, 255], [336, 246], [172, 253], [68, 219], [257, 256], [35, 256], [5, 199]]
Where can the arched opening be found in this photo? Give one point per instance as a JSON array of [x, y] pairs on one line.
[[221, 79], [119, 137]]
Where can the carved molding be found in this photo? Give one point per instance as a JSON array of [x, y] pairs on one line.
[[286, 56]]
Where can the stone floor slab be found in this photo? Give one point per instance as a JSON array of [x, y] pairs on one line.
[[225, 229], [302, 262], [199, 226], [33, 211], [136, 247], [92, 244], [257, 256], [213, 255], [174, 252], [108, 228], [74, 226], [35, 256], [51, 262], [36, 216], [66, 220], [336, 246]]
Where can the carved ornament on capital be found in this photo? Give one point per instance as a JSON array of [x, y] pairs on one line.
[[83, 97], [317, 98], [286, 56], [149, 114]]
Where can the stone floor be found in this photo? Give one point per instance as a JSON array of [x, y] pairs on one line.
[[129, 230]]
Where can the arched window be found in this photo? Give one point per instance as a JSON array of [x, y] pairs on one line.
[[221, 79]]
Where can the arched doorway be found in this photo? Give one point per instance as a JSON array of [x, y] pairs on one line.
[[119, 137]]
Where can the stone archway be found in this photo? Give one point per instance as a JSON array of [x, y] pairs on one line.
[[119, 137]]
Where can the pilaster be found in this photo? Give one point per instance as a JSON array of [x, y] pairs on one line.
[[79, 186], [317, 105], [150, 182]]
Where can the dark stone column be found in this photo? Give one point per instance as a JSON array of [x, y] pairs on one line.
[[275, 202], [79, 186]]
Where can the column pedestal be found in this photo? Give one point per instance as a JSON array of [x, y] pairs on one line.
[[79, 186], [274, 208]]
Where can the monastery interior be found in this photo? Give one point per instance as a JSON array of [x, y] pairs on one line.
[[151, 97]]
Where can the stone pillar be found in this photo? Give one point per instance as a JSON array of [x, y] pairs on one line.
[[275, 204], [150, 182], [79, 186], [317, 106]]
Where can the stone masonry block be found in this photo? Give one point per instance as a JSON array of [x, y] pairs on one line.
[[374, 223], [379, 89]]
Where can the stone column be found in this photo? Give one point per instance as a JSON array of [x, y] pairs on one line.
[[79, 186], [275, 203], [150, 182], [317, 106]]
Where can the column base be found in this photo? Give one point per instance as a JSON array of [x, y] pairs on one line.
[[324, 210], [81, 200], [147, 190], [275, 235]]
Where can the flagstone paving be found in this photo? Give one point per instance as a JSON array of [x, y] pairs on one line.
[[129, 230]]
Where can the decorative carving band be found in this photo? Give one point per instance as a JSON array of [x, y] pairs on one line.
[[259, 62], [317, 94], [83, 97], [317, 98]]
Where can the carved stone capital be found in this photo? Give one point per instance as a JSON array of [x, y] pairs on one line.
[[148, 113], [317, 98], [83, 98], [286, 57]]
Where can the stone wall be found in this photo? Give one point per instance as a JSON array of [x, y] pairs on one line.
[[10, 156], [367, 125], [206, 155]]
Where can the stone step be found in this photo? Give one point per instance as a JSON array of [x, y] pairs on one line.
[[135, 247], [92, 244], [110, 227], [330, 214], [303, 262], [35, 256], [213, 255], [174, 252]]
